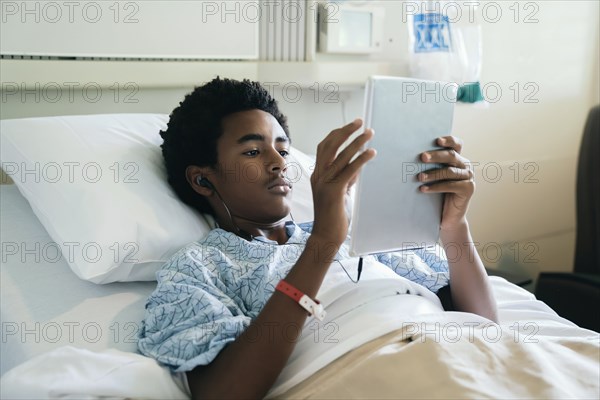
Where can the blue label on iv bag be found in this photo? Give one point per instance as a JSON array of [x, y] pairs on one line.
[[432, 33]]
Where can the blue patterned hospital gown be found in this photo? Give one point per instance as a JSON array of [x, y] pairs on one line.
[[210, 291]]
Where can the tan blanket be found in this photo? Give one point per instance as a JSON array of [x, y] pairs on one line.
[[480, 366]]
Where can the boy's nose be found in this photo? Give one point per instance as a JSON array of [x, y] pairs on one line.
[[278, 163]]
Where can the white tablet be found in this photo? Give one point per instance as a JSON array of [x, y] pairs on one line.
[[390, 212]]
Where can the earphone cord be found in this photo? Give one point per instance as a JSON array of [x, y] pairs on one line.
[[360, 265], [239, 231]]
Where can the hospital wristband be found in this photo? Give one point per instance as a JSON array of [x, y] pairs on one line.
[[314, 307]]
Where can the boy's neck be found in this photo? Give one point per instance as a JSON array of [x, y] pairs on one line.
[[249, 229]]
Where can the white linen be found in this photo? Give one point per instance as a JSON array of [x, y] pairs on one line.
[[43, 305], [83, 374], [555, 359]]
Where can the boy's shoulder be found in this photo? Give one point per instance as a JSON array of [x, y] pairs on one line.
[[195, 250]]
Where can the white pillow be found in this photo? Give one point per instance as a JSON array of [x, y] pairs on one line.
[[97, 184]]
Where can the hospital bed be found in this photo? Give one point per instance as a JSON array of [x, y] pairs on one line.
[[89, 220]]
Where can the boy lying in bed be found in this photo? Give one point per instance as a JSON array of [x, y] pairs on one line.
[[225, 151]]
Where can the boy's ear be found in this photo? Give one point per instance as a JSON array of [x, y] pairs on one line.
[[194, 174]]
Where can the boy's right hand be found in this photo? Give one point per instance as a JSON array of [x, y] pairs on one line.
[[332, 178]]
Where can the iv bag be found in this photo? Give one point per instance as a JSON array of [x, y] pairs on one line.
[[445, 45]]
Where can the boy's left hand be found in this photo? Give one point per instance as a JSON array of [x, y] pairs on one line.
[[455, 179]]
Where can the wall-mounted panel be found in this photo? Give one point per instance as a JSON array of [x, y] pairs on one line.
[[131, 29]]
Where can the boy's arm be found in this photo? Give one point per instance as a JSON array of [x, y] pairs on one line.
[[469, 283], [248, 367]]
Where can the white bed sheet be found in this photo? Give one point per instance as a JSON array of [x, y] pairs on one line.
[[44, 305]]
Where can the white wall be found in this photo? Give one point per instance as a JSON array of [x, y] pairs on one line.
[[559, 58], [531, 224]]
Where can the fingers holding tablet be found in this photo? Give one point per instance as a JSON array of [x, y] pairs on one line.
[[334, 174], [452, 142], [342, 168], [448, 173], [445, 156], [352, 149]]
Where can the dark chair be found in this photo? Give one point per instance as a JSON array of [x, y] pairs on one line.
[[576, 296]]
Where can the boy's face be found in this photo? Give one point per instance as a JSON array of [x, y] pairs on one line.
[[251, 163]]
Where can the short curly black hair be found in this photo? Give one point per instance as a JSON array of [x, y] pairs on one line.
[[195, 126]]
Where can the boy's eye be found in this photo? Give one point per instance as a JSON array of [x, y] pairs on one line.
[[251, 153], [284, 153]]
